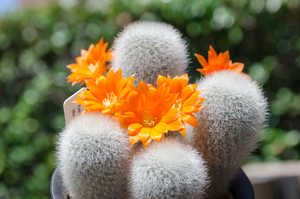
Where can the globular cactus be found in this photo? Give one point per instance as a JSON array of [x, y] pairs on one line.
[[148, 49], [169, 169], [229, 124], [93, 157]]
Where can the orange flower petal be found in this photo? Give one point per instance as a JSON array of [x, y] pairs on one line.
[[203, 71], [225, 57], [183, 132], [133, 140], [184, 80], [161, 127], [201, 60], [192, 100], [161, 80], [171, 116], [176, 125], [130, 117], [191, 120], [144, 134], [188, 91], [190, 109], [134, 129], [106, 111], [143, 87], [110, 81], [86, 96], [237, 67], [175, 86], [156, 135], [212, 55], [146, 143]]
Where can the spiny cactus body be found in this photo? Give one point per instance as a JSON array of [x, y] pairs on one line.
[[229, 124], [148, 49], [170, 169], [93, 154]]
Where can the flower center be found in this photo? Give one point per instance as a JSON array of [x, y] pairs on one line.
[[92, 67], [178, 104], [149, 120], [110, 99]]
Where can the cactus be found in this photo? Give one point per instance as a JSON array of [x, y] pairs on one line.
[[229, 124], [170, 169], [148, 49], [93, 157]]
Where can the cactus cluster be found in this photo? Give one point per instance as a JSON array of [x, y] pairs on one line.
[[94, 154]]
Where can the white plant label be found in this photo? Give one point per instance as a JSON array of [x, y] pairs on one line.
[[71, 108]]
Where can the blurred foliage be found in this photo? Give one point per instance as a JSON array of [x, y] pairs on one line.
[[37, 43]]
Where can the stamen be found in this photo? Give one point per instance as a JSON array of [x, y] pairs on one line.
[[92, 67], [110, 99], [149, 120], [178, 104]]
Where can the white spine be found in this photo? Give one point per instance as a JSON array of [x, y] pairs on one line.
[[229, 124], [93, 154], [148, 49], [170, 169]]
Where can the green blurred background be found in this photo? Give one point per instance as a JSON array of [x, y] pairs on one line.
[[37, 43]]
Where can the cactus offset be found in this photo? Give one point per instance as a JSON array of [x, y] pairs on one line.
[[170, 169], [148, 49], [229, 124], [93, 154]]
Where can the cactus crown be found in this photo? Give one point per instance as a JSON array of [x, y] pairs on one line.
[[148, 49]]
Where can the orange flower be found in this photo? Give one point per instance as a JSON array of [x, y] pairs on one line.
[[218, 62], [148, 114], [188, 100], [105, 93], [91, 64]]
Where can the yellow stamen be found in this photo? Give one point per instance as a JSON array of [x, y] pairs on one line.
[[178, 104], [110, 99], [92, 67], [148, 120]]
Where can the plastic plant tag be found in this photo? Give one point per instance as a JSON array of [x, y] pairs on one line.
[[71, 108]]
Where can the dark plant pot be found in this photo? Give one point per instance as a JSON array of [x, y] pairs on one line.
[[240, 186]]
